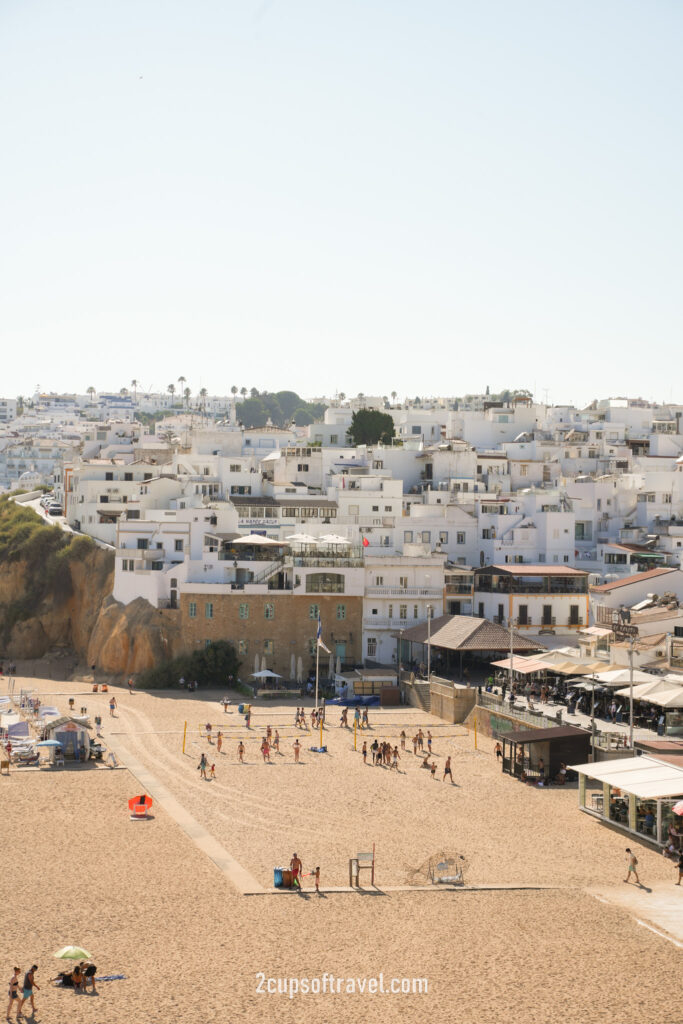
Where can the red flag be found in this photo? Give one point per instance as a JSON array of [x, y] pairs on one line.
[[366, 542]]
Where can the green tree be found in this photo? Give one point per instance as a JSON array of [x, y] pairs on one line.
[[368, 426], [302, 417]]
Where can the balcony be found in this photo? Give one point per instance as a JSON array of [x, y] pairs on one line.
[[429, 592], [460, 588], [376, 622]]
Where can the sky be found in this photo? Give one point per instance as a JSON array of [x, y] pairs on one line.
[[420, 196]]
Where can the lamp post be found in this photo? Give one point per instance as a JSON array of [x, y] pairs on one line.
[[512, 621], [429, 642], [630, 694]]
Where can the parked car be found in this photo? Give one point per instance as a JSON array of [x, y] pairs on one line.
[[55, 510]]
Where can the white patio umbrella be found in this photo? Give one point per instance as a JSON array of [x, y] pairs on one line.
[[265, 673], [257, 539], [333, 538], [621, 676], [257, 662], [302, 538], [299, 670], [292, 666], [263, 663]]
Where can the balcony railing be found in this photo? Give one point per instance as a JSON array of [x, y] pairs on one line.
[[404, 592]]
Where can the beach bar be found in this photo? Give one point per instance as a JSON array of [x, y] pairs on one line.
[[634, 794], [526, 749]]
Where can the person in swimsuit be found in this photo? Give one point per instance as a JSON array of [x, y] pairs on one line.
[[403, 739], [429, 741], [433, 769], [213, 771], [27, 991], [276, 742], [208, 732], [202, 766], [296, 867], [219, 741], [77, 976], [365, 752], [89, 973], [297, 748], [447, 770], [112, 707], [240, 751], [632, 867], [13, 992]]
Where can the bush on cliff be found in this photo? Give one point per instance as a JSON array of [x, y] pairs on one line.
[[211, 666]]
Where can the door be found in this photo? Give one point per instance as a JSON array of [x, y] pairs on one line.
[[340, 653], [547, 615]]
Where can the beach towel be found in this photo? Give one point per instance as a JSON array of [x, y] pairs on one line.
[[111, 977]]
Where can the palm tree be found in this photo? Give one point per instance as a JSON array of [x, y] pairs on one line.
[[254, 392], [171, 391], [342, 396], [91, 391], [187, 394], [394, 396], [243, 392], [123, 391], [202, 395], [182, 381], [135, 385], [233, 390]]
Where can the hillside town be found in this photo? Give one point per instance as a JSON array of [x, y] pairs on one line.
[[548, 519]]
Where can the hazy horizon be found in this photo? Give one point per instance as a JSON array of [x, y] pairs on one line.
[[371, 196]]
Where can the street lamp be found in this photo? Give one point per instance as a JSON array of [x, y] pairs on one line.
[[429, 642]]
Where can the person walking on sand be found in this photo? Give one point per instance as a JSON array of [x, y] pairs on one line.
[[680, 868], [433, 770], [395, 758], [403, 739], [213, 771], [316, 875], [447, 770], [429, 741], [219, 741], [240, 752], [130, 684], [296, 867], [297, 748], [112, 707], [13, 992], [27, 991], [632, 867], [202, 766], [365, 752], [276, 742], [208, 732], [420, 740]]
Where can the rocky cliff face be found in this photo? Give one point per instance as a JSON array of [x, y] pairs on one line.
[[77, 615]]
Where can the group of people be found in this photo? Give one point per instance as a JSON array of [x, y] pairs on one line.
[[20, 995], [382, 754], [297, 869], [317, 717]]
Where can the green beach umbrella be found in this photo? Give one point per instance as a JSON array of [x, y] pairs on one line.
[[72, 953]]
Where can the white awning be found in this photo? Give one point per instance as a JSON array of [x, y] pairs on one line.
[[596, 631], [645, 777]]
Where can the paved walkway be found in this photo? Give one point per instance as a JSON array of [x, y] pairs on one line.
[[658, 907], [238, 876]]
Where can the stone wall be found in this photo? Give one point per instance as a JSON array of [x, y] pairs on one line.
[[451, 702], [241, 619]]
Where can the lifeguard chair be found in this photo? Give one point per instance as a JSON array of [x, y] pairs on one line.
[[361, 862]]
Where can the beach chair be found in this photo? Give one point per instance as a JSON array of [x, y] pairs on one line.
[[4, 765]]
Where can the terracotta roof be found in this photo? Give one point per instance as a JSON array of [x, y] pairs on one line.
[[531, 570], [467, 633], [637, 577]]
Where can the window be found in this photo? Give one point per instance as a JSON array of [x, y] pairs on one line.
[[416, 612], [388, 508], [192, 610], [313, 611], [523, 615], [108, 476], [302, 467], [341, 611], [157, 566], [334, 438], [391, 611], [243, 647], [312, 645], [443, 537], [244, 611], [426, 536], [574, 615], [403, 582], [372, 647], [403, 611], [127, 476], [147, 476], [379, 581], [524, 469], [481, 610], [486, 534], [269, 610], [179, 544], [375, 508], [407, 536], [235, 467], [566, 558], [208, 610], [460, 537], [290, 512], [615, 559], [268, 647], [142, 543]]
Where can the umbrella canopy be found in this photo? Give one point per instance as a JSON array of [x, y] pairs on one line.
[[302, 538], [140, 801], [48, 743], [257, 664], [299, 670], [292, 666], [678, 808], [333, 538], [645, 690], [72, 953], [265, 673], [263, 663], [330, 666], [622, 676], [257, 539]]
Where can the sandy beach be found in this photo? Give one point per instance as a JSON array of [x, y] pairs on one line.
[[150, 904]]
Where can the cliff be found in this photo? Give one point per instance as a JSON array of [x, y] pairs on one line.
[[55, 597]]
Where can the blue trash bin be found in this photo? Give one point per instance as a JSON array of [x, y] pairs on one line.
[[277, 878]]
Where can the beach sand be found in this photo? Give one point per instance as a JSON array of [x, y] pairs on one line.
[[149, 904]]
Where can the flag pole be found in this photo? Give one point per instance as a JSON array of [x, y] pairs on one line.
[[317, 668]]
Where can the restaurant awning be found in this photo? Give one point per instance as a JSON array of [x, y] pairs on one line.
[[596, 631], [645, 777], [525, 666], [560, 732]]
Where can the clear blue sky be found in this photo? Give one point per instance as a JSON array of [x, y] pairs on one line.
[[425, 197]]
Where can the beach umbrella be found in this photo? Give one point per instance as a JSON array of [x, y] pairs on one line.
[[678, 808], [140, 801], [330, 666], [299, 670], [257, 540], [333, 538], [72, 953], [257, 662], [301, 538], [265, 673], [292, 666]]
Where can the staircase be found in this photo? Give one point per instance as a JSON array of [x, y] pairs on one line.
[[421, 691]]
